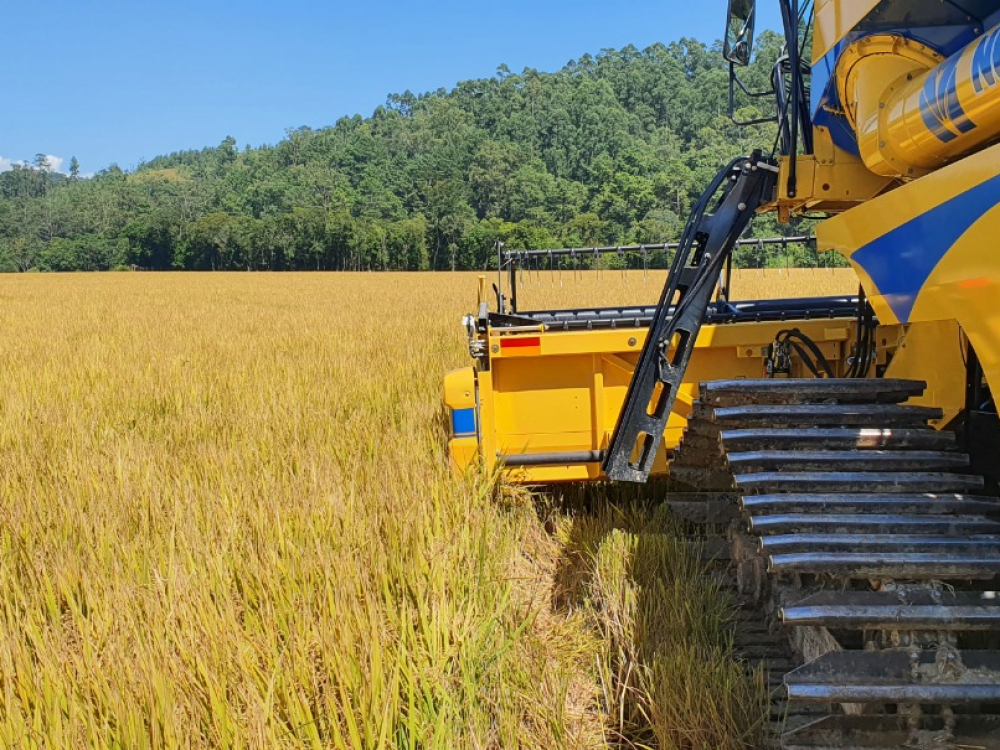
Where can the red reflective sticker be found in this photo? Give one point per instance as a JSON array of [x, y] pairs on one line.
[[973, 283], [520, 342]]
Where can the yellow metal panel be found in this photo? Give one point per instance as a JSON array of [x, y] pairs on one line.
[[487, 419], [598, 403], [463, 452], [460, 388], [534, 397], [568, 398], [543, 442], [628, 343], [556, 474], [834, 20], [966, 285], [832, 180], [864, 224], [933, 352], [575, 342], [460, 393]]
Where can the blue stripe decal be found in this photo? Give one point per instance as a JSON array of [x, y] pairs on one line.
[[940, 107], [463, 422], [825, 102], [901, 261]]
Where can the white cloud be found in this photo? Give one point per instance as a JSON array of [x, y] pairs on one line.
[[55, 163]]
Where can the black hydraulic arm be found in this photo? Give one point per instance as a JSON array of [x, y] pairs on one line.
[[707, 242]]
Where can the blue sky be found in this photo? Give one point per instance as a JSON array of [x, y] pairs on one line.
[[117, 81]]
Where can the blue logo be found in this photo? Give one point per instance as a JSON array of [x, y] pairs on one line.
[[986, 61], [940, 107]]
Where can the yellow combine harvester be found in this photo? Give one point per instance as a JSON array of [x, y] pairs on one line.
[[859, 437]]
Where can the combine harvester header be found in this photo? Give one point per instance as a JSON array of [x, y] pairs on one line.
[[547, 386]]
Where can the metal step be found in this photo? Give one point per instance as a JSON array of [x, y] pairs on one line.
[[789, 543], [703, 478], [703, 508], [809, 390], [812, 415], [865, 523], [898, 677], [703, 429], [858, 481], [780, 709], [845, 461], [696, 443], [925, 566], [920, 503], [765, 652], [833, 438], [870, 610], [687, 456], [971, 732]]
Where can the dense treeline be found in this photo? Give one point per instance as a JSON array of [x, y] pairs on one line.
[[611, 149]]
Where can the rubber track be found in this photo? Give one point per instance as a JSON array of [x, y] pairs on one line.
[[859, 526]]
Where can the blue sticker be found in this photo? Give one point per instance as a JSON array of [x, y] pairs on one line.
[[463, 422]]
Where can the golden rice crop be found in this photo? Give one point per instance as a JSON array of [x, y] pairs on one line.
[[543, 289], [227, 520]]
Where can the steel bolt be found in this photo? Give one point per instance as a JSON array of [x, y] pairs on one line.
[[631, 341], [495, 348]]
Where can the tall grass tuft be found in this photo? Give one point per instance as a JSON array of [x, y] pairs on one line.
[[669, 673]]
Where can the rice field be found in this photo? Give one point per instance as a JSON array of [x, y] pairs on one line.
[[551, 289], [227, 521]]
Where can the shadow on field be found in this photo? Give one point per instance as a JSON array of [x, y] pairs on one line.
[[594, 511], [668, 672]]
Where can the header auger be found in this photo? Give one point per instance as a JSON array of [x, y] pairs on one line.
[[858, 436]]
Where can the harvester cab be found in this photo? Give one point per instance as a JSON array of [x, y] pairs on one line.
[[856, 437]]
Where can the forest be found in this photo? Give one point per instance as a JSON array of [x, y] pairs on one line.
[[611, 149]]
